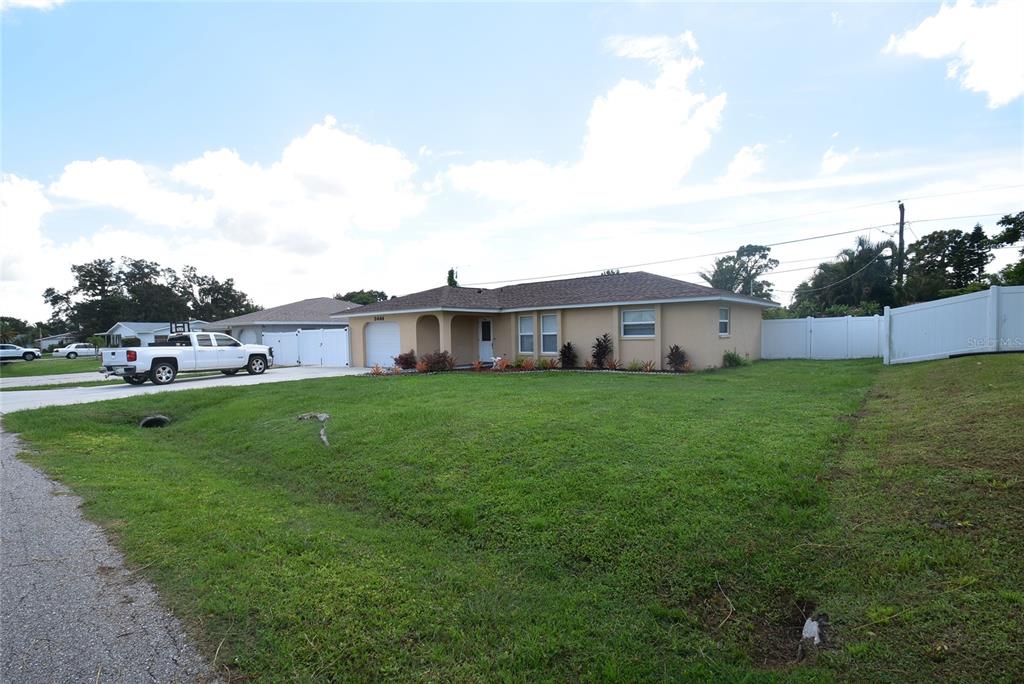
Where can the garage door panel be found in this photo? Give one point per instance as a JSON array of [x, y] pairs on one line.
[[382, 343]]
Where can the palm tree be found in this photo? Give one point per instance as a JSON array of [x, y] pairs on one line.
[[863, 273]]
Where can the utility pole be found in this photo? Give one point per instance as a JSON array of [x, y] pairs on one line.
[[900, 256]]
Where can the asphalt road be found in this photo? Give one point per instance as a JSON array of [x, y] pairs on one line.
[[70, 611], [29, 399]]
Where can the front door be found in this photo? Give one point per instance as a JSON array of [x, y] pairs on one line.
[[486, 345]]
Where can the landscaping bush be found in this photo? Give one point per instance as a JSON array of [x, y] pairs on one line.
[[501, 364], [547, 363], [636, 365], [602, 349], [611, 363], [732, 359], [437, 362], [406, 360], [97, 341], [677, 359], [528, 363], [377, 370], [648, 367], [567, 355], [131, 342]]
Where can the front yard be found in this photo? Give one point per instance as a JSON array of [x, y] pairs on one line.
[[567, 526]]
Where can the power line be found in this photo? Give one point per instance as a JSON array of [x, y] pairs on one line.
[[721, 253], [838, 282], [990, 188]]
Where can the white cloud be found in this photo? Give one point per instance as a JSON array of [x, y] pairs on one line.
[[749, 161], [837, 20], [129, 186], [984, 42], [327, 181], [43, 5], [22, 207], [833, 162], [641, 140]]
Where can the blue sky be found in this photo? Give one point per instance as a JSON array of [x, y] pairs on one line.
[[305, 149]]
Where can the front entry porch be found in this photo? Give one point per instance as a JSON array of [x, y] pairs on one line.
[[467, 337]]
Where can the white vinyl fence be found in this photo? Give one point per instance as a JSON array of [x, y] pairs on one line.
[[849, 337], [980, 322], [328, 347], [988, 321]]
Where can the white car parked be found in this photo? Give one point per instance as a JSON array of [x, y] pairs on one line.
[[73, 351], [9, 352]]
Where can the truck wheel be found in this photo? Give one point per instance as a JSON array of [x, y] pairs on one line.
[[163, 373], [28, 356], [256, 365], [135, 379], [230, 372], [72, 355]]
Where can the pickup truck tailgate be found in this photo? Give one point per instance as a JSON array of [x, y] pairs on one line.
[[115, 357]]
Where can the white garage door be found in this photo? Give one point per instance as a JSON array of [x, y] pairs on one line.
[[382, 343]]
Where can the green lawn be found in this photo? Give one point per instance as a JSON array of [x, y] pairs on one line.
[[559, 526], [48, 366]]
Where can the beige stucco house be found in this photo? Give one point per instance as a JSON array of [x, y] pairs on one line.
[[644, 314]]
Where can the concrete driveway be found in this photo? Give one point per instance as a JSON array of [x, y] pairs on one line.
[[29, 399], [63, 378]]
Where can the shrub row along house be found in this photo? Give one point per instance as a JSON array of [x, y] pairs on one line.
[[643, 313]]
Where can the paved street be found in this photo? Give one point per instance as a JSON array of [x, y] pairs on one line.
[[27, 399]]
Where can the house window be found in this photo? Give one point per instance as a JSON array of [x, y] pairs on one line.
[[723, 321], [526, 334], [549, 334], [638, 323]]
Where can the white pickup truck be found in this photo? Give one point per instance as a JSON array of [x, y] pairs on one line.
[[186, 353]]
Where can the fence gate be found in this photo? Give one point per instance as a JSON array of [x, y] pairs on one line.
[[327, 347], [849, 337]]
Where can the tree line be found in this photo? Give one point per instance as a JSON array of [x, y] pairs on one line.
[[863, 279], [106, 291]]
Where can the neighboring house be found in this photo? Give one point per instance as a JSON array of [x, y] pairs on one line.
[[301, 333], [643, 313], [60, 340], [147, 332]]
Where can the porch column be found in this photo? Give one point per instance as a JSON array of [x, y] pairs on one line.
[[445, 321], [659, 358], [616, 334]]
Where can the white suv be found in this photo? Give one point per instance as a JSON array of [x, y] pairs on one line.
[[73, 351], [9, 352]]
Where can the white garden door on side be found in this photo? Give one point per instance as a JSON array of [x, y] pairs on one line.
[[486, 341], [382, 343]]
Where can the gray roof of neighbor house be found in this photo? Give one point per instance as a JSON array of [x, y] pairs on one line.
[[306, 311], [619, 288], [147, 326]]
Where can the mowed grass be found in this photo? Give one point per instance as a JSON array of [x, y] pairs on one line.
[[48, 366], [565, 526]]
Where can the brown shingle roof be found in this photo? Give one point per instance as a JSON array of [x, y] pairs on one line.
[[638, 286], [315, 310]]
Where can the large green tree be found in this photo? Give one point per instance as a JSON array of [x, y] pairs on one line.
[[741, 272], [946, 260], [363, 296], [106, 291], [1012, 232]]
